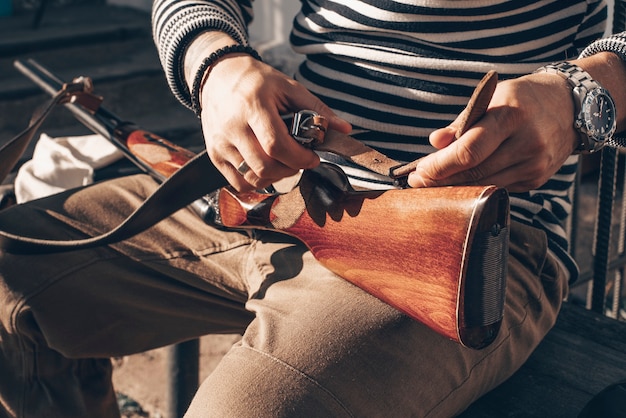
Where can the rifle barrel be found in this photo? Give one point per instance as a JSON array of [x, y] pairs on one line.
[[102, 122], [107, 124]]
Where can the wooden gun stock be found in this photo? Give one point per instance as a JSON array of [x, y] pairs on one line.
[[437, 254]]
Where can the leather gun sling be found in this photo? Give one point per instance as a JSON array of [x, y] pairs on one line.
[[362, 155], [183, 183]]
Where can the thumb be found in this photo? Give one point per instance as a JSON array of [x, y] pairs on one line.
[[443, 137]]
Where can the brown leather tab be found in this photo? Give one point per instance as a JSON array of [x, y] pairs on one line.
[[309, 128], [81, 91], [475, 109], [478, 102]]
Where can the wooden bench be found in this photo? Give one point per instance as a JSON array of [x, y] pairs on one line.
[[583, 353]]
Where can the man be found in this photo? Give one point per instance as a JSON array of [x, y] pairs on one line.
[[394, 73]]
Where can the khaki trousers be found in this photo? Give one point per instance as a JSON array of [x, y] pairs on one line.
[[313, 345]]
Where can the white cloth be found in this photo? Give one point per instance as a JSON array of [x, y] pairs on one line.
[[63, 163]]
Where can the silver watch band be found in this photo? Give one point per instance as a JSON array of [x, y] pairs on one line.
[[574, 75], [581, 83]]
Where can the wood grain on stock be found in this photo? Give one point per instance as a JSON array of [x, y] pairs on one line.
[[416, 263], [157, 152]]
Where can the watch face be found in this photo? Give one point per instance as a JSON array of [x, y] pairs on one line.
[[598, 114]]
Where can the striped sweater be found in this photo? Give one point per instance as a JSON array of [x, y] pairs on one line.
[[398, 69]]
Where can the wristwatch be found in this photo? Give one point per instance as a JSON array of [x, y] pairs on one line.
[[594, 116]]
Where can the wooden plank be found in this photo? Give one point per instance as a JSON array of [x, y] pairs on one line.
[[104, 42], [581, 355], [75, 25]]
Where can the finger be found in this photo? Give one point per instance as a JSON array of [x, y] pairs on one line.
[[234, 166], [231, 164], [260, 170], [477, 176], [464, 154], [442, 137], [520, 174], [524, 176], [272, 152], [339, 124], [496, 162], [246, 179]]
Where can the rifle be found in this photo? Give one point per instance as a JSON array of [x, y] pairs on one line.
[[436, 254]]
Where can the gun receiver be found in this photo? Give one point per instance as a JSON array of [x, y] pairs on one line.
[[437, 254]]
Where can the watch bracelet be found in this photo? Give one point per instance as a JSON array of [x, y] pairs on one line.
[[578, 78], [616, 44], [571, 73]]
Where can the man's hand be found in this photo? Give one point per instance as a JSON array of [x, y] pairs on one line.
[[525, 136], [242, 103]]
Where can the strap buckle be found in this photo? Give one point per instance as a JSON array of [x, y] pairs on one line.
[[308, 127]]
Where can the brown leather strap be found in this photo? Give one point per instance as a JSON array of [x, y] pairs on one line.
[[475, 109], [80, 90], [311, 130], [158, 206], [183, 184], [357, 152]]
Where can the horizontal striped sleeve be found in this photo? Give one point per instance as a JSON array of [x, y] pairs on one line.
[[176, 23], [615, 43]]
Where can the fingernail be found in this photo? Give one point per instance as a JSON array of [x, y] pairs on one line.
[[416, 180]]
